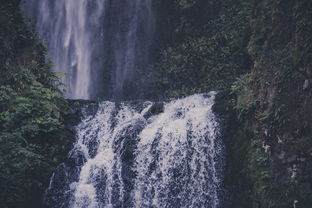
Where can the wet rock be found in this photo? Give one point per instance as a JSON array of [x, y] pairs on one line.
[[291, 159], [306, 84], [157, 108], [281, 156]]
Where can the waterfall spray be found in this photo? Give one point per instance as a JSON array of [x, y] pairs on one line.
[[135, 154]]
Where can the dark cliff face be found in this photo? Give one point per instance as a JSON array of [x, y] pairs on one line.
[[275, 107]]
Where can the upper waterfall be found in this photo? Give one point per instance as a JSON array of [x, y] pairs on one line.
[[97, 44]]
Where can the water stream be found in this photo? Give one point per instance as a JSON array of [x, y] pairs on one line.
[[96, 44], [143, 154]]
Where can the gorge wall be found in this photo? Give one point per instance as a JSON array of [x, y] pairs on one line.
[[272, 155]]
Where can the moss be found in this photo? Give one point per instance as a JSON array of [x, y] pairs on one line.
[[272, 106]]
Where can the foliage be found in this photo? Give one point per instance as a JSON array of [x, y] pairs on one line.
[[274, 107], [186, 3], [243, 104], [32, 136], [209, 57]]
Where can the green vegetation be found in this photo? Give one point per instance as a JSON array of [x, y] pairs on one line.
[[32, 136], [274, 108], [202, 57]]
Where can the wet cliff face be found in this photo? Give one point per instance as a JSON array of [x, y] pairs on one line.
[[275, 107]]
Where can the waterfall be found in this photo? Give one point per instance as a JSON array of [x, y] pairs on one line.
[[143, 154], [126, 154], [97, 44]]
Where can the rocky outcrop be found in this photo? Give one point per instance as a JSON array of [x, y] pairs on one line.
[[272, 148]]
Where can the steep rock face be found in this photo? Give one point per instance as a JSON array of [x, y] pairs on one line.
[[273, 154]]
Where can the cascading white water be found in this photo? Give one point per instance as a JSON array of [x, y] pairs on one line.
[[134, 154], [176, 157], [98, 44], [69, 28]]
